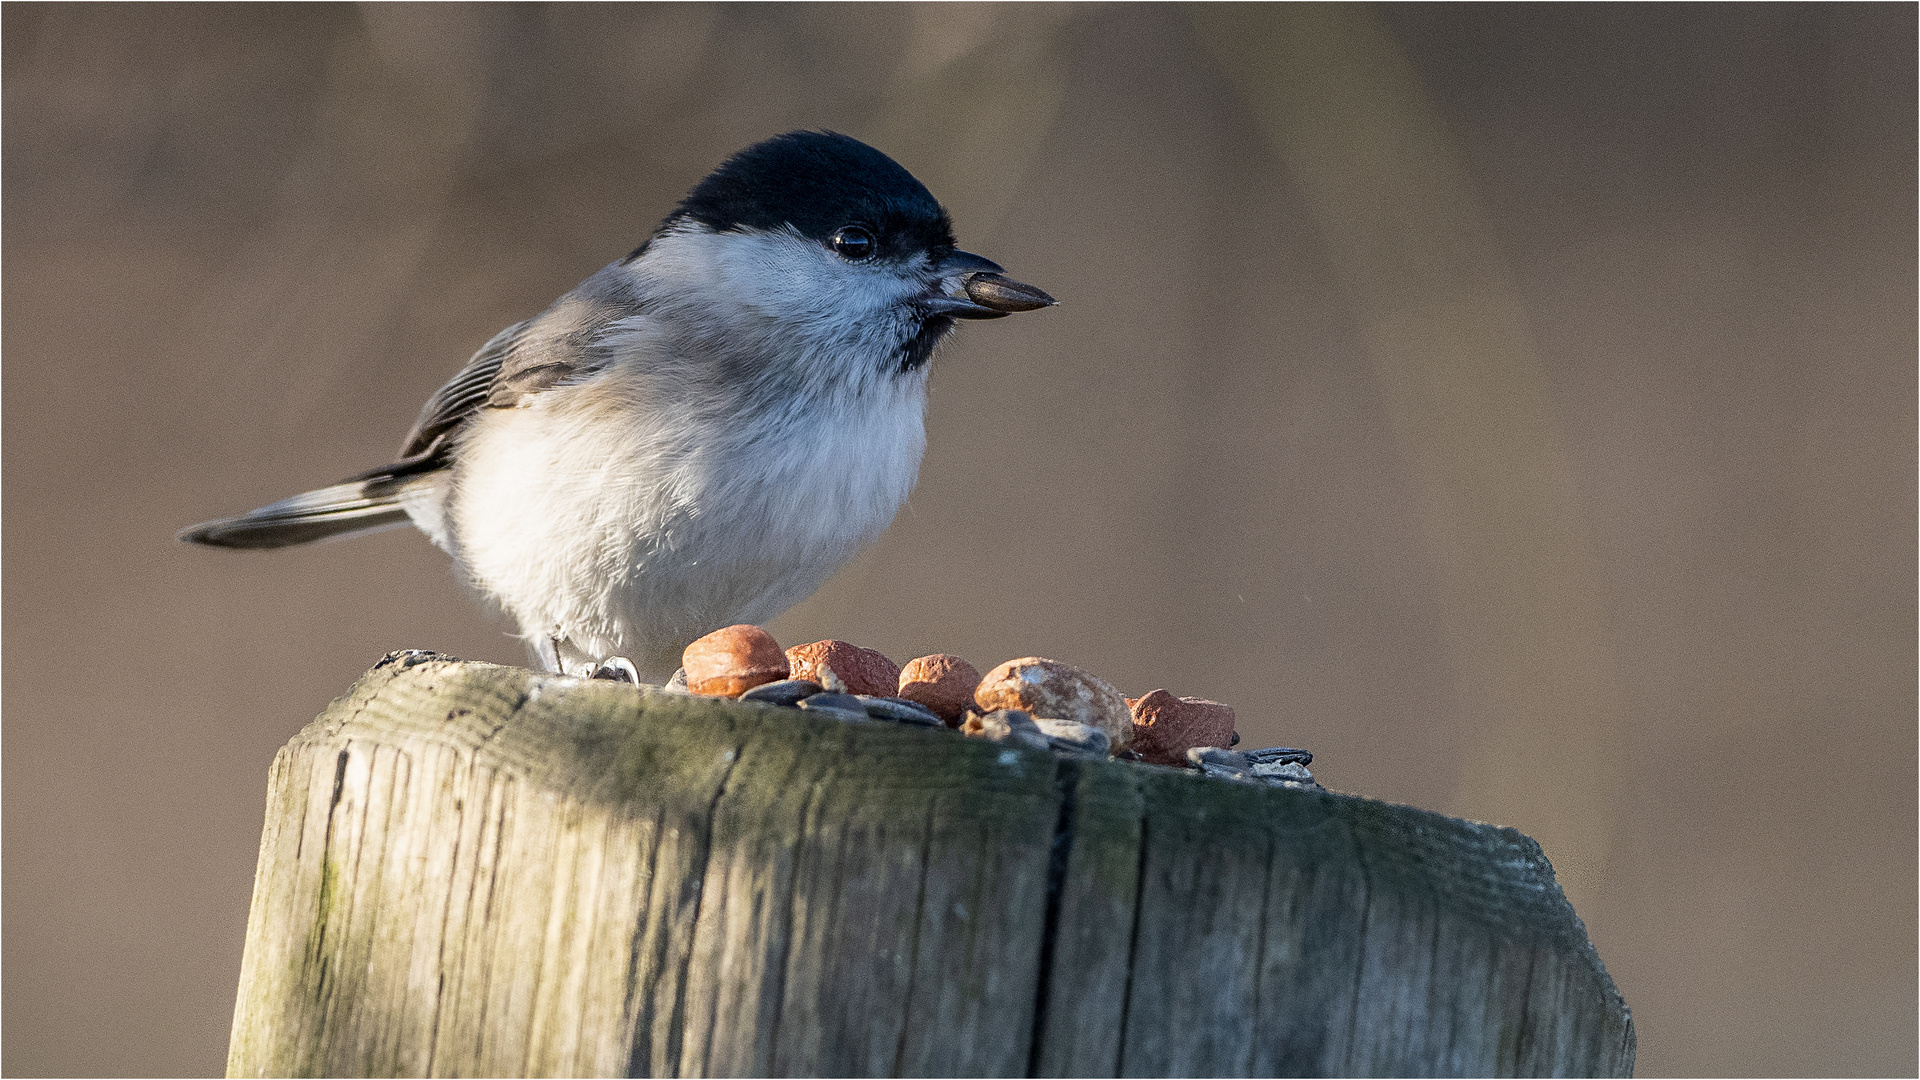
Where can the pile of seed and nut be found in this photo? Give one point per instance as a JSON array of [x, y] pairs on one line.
[[1032, 701]]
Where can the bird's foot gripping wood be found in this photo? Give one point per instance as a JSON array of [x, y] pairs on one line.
[[546, 652], [616, 669]]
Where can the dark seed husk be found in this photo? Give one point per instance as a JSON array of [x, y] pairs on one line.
[[1071, 736], [1286, 772], [899, 710], [1274, 755], [839, 706], [1227, 764], [784, 692], [1005, 294]]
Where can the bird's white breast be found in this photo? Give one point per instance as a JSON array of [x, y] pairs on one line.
[[631, 512]]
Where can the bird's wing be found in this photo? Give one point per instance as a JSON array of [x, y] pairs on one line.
[[467, 391], [559, 345], [424, 448]]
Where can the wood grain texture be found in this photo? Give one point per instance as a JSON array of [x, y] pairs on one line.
[[477, 870]]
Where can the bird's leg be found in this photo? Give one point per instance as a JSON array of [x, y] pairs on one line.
[[546, 649], [617, 669]]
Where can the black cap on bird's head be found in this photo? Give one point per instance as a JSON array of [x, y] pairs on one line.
[[864, 207], [820, 182]]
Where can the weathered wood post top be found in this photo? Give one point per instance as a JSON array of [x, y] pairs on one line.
[[479, 870]]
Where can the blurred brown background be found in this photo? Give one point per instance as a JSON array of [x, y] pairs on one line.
[[1514, 405]]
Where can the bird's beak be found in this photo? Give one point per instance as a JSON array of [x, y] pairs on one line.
[[971, 287]]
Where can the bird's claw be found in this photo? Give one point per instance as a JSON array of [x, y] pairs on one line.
[[616, 669], [546, 653]]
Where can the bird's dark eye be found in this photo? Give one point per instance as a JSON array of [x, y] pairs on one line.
[[853, 243]]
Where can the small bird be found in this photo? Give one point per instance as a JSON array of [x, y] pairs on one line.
[[697, 435]]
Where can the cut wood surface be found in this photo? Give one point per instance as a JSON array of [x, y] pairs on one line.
[[478, 870]]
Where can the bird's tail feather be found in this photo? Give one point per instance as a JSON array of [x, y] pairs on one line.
[[344, 509]]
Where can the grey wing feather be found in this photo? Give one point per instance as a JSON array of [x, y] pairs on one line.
[[499, 374], [351, 507], [371, 500], [463, 394], [558, 345]]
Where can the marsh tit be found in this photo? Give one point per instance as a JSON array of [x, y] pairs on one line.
[[700, 433]]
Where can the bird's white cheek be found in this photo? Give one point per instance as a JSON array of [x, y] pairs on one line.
[[790, 278]]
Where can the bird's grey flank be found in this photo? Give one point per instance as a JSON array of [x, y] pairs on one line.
[[701, 432]]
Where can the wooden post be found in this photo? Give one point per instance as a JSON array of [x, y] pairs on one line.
[[477, 870]]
